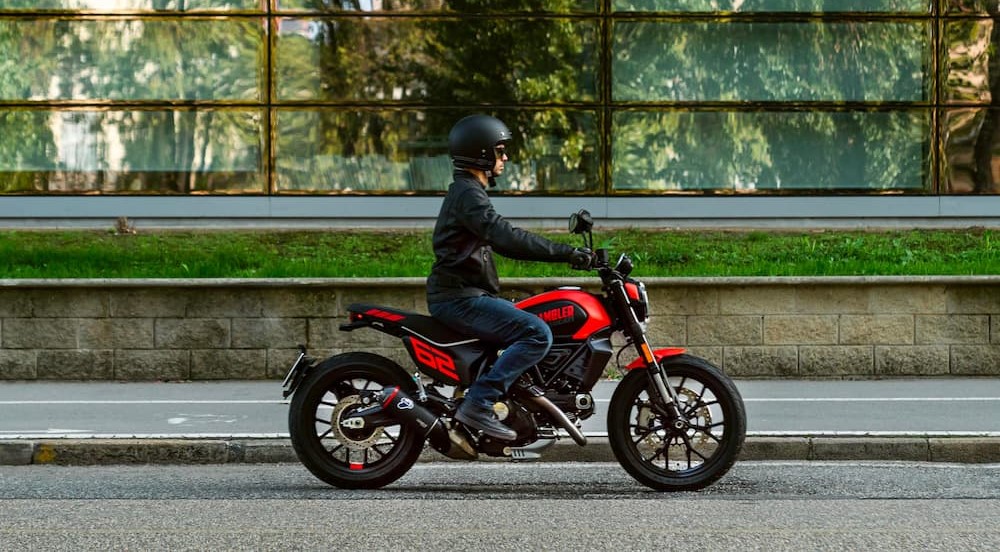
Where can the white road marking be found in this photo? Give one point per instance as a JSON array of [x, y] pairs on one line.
[[285, 401], [52, 431], [148, 401], [875, 399], [594, 434]]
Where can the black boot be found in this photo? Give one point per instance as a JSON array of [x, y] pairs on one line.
[[483, 419]]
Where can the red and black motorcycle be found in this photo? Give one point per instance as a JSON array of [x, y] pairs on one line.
[[675, 421]]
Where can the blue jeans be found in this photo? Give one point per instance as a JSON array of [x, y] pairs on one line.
[[526, 337]]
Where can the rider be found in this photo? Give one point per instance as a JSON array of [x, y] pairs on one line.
[[463, 285]]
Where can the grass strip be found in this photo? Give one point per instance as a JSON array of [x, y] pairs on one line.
[[316, 254]]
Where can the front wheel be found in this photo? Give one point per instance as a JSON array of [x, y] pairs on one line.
[[364, 458], [683, 454]]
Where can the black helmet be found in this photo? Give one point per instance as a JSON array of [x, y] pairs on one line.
[[472, 141]]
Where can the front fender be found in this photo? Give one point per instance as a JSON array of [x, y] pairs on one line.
[[660, 354]]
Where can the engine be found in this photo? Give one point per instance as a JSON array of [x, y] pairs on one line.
[[570, 371], [581, 329]]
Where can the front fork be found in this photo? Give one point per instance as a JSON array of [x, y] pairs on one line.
[[667, 394]]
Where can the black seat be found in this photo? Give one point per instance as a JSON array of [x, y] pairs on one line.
[[428, 327]]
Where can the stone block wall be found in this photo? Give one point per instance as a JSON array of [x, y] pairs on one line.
[[249, 329], [835, 327]]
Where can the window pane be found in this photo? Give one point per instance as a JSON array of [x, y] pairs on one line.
[[132, 59], [971, 151], [406, 151], [809, 6], [788, 61], [384, 60], [970, 54], [455, 6], [159, 151], [971, 6], [111, 6], [748, 151]]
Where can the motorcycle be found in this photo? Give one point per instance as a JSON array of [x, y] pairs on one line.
[[675, 422]]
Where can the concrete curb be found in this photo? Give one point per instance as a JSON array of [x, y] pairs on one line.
[[79, 452]]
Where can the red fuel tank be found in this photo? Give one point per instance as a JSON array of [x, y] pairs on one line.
[[571, 313]]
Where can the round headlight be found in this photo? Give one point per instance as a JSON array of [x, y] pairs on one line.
[[624, 266], [644, 299]]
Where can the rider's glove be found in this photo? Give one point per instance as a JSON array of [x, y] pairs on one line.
[[581, 259]]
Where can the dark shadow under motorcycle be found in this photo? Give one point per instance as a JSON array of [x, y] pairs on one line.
[[675, 422]]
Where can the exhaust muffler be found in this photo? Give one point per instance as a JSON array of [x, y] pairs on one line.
[[395, 403]]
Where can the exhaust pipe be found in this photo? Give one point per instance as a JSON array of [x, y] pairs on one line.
[[536, 397], [559, 417], [396, 404]]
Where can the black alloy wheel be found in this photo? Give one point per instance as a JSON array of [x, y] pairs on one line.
[[345, 457]]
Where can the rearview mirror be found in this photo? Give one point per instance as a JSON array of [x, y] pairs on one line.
[[580, 222]]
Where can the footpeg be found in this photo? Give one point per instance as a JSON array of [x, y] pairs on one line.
[[530, 452]]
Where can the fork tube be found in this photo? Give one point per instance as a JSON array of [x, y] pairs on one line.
[[656, 374], [662, 388], [654, 369]]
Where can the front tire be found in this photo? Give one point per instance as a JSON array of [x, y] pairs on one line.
[[350, 459], [668, 458]]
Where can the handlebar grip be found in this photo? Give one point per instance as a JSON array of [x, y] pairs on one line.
[[602, 256]]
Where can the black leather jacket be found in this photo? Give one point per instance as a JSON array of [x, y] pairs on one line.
[[466, 233]]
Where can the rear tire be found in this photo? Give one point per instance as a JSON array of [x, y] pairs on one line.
[[350, 459], [687, 459]]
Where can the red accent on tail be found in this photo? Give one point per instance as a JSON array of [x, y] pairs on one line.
[[434, 358], [391, 317]]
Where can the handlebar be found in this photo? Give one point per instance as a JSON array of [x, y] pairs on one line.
[[601, 257]]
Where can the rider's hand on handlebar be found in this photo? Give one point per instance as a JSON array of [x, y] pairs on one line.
[[581, 259]]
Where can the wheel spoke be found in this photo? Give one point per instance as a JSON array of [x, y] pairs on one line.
[[640, 433], [659, 452], [344, 388], [701, 396], [687, 455], [691, 448], [705, 431], [375, 448], [334, 450], [689, 412], [700, 455]]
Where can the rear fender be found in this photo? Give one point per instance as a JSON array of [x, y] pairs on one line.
[[660, 354]]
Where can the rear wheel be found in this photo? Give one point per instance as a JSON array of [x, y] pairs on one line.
[[365, 458], [682, 454]]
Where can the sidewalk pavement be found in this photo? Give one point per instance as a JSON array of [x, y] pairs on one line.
[[264, 450]]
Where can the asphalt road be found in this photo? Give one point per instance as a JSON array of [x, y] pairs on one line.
[[757, 506], [255, 408]]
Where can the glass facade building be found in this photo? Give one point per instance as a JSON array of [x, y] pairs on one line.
[[605, 97]]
